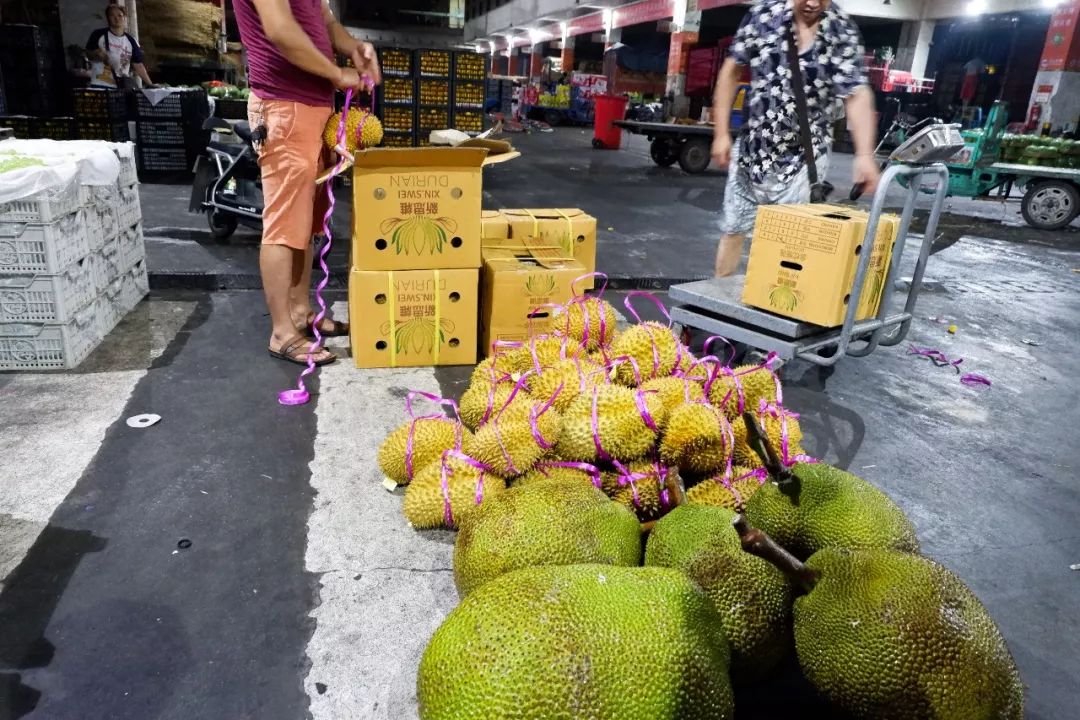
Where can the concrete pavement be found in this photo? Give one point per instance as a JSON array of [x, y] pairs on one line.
[[304, 592]]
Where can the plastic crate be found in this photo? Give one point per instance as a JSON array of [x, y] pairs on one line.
[[42, 249], [397, 91], [48, 298], [25, 126], [90, 129], [152, 159], [160, 133], [103, 104], [434, 93], [469, 95], [433, 63], [470, 121], [395, 139], [470, 66], [125, 292], [128, 208], [30, 346], [398, 119], [58, 128], [396, 62], [132, 247], [110, 262], [432, 119], [182, 104], [43, 208], [129, 171]]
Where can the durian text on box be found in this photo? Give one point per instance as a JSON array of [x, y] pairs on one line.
[[417, 209], [413, 318], [803, 261]]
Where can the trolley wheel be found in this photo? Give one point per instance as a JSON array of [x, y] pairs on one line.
[[597, 144], [222, 226], [1050, 204], [664, 152], [553, 117], [695, 156]]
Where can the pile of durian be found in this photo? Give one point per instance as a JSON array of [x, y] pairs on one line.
[[632, 411]]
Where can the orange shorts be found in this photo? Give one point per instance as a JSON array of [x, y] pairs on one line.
[[290, 157]]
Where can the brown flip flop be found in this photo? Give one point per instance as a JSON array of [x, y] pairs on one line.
[[340, 329], [296, 351]]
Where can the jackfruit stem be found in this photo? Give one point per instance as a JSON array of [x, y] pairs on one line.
[[758, 543], [759, 441]]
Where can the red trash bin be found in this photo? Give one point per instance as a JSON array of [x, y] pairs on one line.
[[609, 108]]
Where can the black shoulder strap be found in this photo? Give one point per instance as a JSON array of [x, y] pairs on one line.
[[798, 89]]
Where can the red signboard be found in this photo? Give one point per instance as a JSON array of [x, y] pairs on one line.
[[1061, 51], [643, 12]]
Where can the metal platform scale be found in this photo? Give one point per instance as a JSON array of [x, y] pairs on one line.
[[715, 306]]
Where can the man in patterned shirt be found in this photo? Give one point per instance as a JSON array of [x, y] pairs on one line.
[[766, 163]]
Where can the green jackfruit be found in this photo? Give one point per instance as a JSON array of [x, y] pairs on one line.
[[821, 506], [752, 597], [652, 346], [579, 641], [426, 498], [622, 429], [431, 437], [545, 523]]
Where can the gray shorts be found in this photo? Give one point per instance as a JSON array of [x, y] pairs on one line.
[[742, 197]]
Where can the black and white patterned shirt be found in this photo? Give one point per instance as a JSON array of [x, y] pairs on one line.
[[832, 69]]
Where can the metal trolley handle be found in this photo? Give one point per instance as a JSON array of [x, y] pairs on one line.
[[883, 323]]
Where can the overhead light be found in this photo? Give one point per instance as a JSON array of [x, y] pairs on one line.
[[609, 22], [565, 28], [678, 17], [537, 36], [1051, 3], [976, 7]]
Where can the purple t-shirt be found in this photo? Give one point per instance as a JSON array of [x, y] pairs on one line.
[[270, 74]]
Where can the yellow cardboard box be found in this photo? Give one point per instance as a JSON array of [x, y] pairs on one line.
[[494, 228], [413, 318], [568, 230], [417, 208], [803, 261], [516, 287]]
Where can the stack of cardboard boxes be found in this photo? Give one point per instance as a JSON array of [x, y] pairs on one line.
[[534, 260], [416, 257], [415, 283]]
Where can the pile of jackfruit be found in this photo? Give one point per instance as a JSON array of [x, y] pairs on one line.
[[639, 528]]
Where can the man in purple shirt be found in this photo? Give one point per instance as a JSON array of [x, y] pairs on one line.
[[290, 46]]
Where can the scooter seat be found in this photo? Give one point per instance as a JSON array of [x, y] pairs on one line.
[[243, 130]]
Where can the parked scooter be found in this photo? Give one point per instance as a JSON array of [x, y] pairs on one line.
[[227, 185]]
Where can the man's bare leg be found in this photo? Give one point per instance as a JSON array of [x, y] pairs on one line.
[[728, 254], [300, 288], [279, 267]]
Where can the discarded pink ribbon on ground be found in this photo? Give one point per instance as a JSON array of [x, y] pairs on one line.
[[941, 360], [974, 379]]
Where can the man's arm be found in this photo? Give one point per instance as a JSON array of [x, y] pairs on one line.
[[363, 54], [727, 86], [140, 70], [282, 29], [860, 120]]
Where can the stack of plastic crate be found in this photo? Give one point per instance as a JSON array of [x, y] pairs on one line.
[[72, 264], [114, 216]]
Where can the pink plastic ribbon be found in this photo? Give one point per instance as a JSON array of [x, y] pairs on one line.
[[935, 356], [643, 409], [301, 388], [974, 379], [731, 348], [534, 420], [652, 338], [412, 426], [595, 419], [448, 514]]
